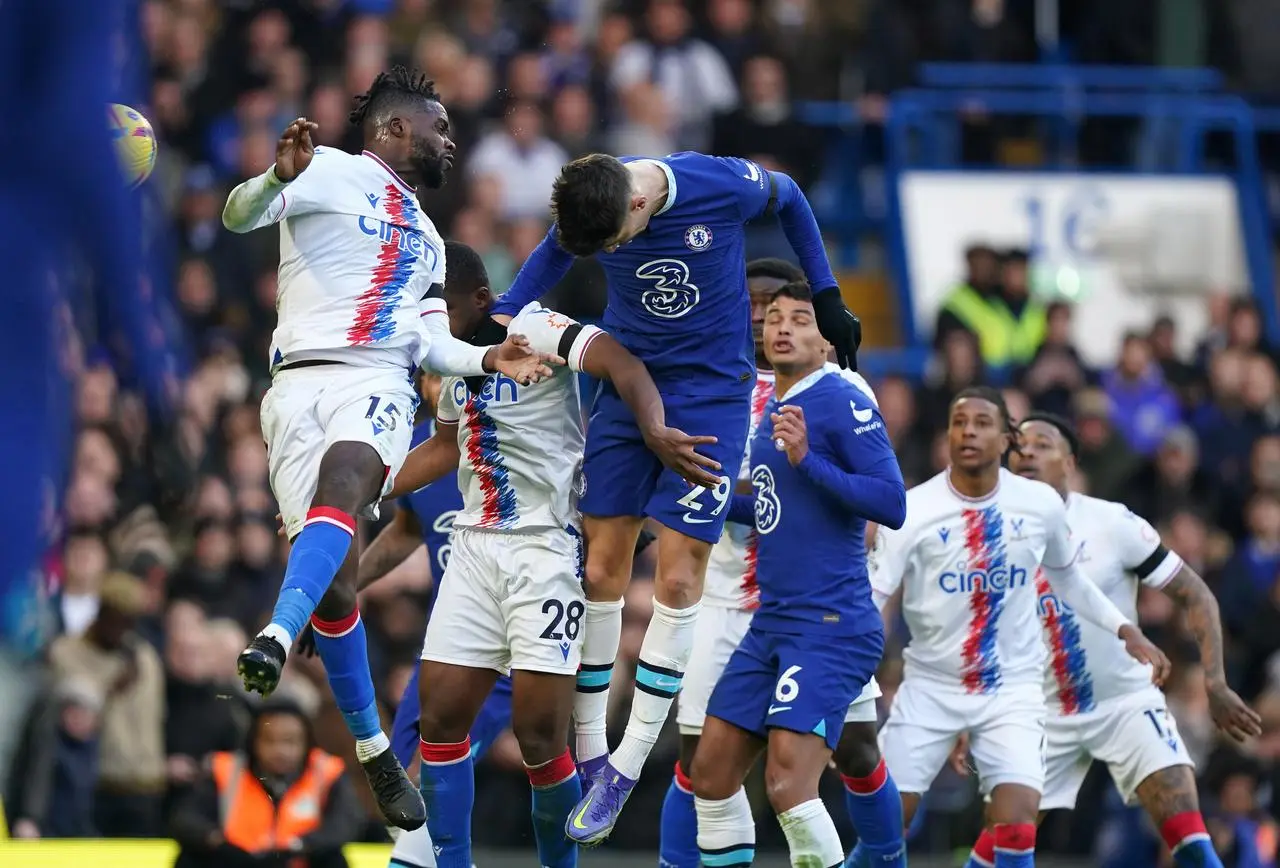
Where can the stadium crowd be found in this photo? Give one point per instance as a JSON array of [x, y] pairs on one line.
[[167, 551]]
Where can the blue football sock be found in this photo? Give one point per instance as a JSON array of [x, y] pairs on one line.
[[557, 789], [1186, 837], [345, 651], [314, 560], [876, 810], [678, 831], [858, 856], [449, 789]]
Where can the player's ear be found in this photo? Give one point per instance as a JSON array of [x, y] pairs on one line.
[[397, 127], [484, 298], [639, 201]]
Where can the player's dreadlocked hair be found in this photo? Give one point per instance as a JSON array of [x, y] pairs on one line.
[[996, 397], [1065, 428], [391, 89], [778, 269]]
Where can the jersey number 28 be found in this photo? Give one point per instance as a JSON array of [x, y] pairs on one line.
[[571, 615]]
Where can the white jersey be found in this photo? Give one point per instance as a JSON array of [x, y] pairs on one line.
[[967, 569], [731, 569], [357, 259], [521, 464], [1117, 550]]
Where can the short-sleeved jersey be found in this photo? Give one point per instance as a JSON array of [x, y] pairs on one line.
[[731, 569], [357, 258], [811, 548], [521, 463], [434, 506], [678, 291], [1117, 550], [967, 570]]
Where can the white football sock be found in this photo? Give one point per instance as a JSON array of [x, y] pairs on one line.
[[811, 836], [368, 748], [413, 850], [725, 827], [663, 657], [601, 633]]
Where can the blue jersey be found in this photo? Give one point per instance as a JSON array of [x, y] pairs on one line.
[[434, 506], [811, 519], [677, 292]]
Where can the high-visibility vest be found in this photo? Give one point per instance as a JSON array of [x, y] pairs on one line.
[[1003, 339], [252, 821]]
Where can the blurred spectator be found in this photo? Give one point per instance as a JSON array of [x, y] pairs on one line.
[[1105, 458], [281, 802], [734, 35], [1171, 481], [574, 122], [763, 127], [85, 561], [647, 127], [127, 672], [1164, 349], [566, 62], [522, 160], [976, 307], [1056, 371], [1254, 568], [1142, 404], [694, 79]]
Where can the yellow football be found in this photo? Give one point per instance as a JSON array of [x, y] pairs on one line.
[[135, 142]]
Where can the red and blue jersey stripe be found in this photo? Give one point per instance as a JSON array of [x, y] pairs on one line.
[[376, 306], [985, 547], [1066, 652], [489, 466]]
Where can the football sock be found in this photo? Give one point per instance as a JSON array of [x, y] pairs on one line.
[[556, 792], [811, 836], [983, 854], [345, 651], [1189, 842], [413, 850], [601, 633], [449, 789], [1015, 845], [876, 810], [663, 656], [726, 831], [317, 553], [678, 829]]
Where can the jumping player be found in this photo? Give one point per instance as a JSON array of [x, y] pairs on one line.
[[731, 597], [360, 306], [967, 558], [669, 235], [512, 596], [821, 466], [1101, 703]]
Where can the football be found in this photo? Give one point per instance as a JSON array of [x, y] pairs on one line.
[[135, 143]]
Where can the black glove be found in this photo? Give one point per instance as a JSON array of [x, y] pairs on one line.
[[839, 326], [306, 644]]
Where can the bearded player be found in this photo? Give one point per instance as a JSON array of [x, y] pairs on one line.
[[360, 306], [669, 234], [1102, 704]]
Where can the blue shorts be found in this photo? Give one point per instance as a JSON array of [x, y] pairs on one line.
[[624, 478], [800, 682], [494, 717]]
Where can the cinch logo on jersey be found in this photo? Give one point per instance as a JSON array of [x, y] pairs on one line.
[[985, 547], [375, 307], [496, 389], [490, 468], [966, 580], [1066, 652]]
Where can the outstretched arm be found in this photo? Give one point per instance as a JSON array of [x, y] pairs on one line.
[[1200, 609], [428, 461], [541, 271], [257, 202], [390, 548]]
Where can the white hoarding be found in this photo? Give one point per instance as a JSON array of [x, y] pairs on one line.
[[1135, 245]]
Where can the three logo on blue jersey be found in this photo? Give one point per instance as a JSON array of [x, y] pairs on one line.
[[768, 506], [672, 295]]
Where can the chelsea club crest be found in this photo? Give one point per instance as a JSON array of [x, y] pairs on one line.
[[697, 237]]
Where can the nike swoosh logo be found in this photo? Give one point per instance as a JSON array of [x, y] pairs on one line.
[[775, 709], [665, 683], [688, 519], [577, 821]]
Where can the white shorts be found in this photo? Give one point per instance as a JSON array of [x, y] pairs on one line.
[[307, 410], [1006, 733], [719, 632], [1135, 735], [510, 601]]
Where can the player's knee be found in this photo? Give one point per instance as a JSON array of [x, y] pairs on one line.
[[606, 581], [858, 754], [338, 602], [350, 477], [711, 779], [441, 725], [786, 785], [541, 739]]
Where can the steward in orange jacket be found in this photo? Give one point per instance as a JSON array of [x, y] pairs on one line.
[[281, 803]]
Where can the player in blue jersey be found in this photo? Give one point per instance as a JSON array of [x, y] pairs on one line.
[[821, 467], [669, 235]]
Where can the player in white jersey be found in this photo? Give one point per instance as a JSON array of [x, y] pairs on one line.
[[730, 596], [1102, 704], [966, 561], [360, 307], [511, 597]]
